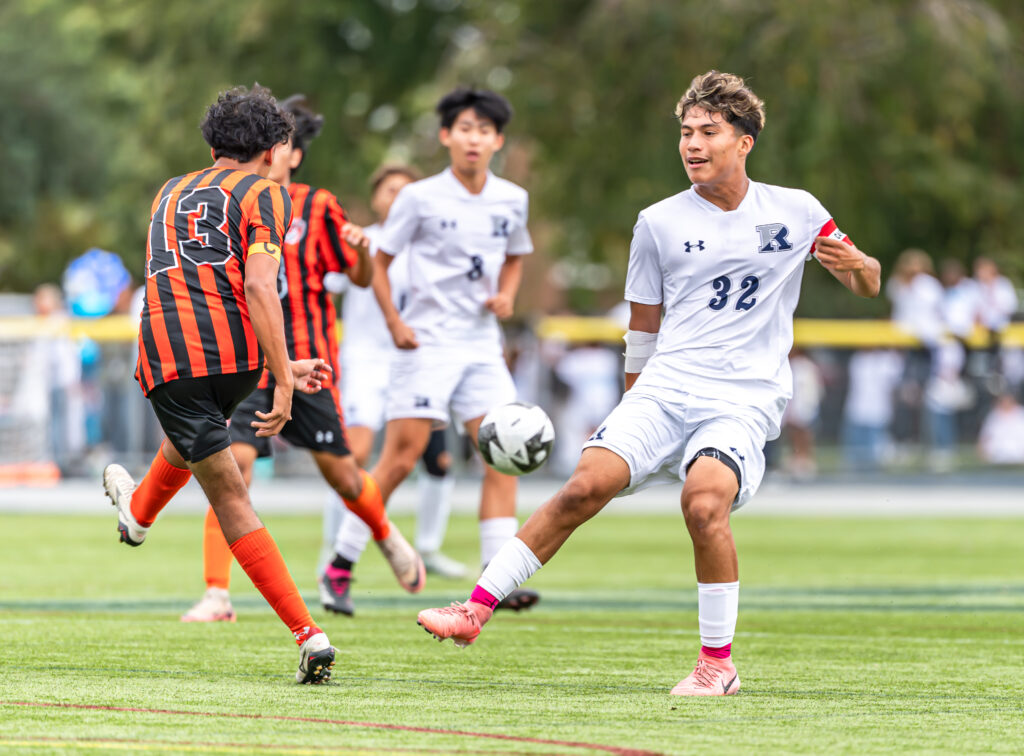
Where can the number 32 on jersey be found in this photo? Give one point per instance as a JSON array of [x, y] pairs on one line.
[[724, 289]]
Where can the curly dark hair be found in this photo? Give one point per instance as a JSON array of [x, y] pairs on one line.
[[728, 94], [485, 103], [307, 123], [242, 123]]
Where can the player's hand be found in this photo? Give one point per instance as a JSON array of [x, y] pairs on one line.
[[838, 256], [270, 423], [310, 375], [355, 236], [501, 305], [403, 336]]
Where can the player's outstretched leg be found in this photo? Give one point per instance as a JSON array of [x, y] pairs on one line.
[[599, 476]]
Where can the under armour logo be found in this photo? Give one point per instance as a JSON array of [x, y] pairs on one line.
[[446, 224], [773, 238], [421, 401], [690, 246], [599, 435], [499, 226], [736, 452]]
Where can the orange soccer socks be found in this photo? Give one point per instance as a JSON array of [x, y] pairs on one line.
[[216, 553], [369, 507], [262, 562], [156, 489]]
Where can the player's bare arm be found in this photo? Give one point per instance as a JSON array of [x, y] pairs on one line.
[[643, 319], [857, 271], [361, 274], [403, 336], [503, 303], [268, 324]]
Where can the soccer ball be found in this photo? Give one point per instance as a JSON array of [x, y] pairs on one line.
[[516, 438]]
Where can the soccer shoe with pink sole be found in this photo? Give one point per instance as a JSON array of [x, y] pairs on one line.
[[405, 562], [214, 606], [460, 622], [120, 486], [711, 677]]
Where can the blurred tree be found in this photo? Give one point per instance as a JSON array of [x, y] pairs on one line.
[[904, 117]]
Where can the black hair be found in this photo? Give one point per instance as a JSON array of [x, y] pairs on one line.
[[386, 171], [307, 123], [242, 123], [487, 104]]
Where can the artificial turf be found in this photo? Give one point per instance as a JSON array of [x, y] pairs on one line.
[[855, 636]]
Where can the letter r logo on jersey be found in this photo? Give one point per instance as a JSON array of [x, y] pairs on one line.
[[499, 226], [774, 238]]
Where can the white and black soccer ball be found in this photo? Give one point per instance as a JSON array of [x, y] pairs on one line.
[[516, 438]]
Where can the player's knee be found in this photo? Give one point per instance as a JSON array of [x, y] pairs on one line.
[[437, 463], [579, 497], [706, 510]]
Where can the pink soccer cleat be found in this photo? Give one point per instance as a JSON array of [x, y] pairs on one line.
[[711, 677], [460, 622]]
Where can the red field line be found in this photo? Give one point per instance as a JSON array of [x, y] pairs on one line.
[[340, 722]]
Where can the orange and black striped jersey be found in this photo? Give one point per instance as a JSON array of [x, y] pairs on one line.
[[195, 320], [313, 247]]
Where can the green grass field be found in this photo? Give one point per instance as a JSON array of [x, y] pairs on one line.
[[855, 636]]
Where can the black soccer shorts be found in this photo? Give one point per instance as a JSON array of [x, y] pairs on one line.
[[194, 412], [316, 422]]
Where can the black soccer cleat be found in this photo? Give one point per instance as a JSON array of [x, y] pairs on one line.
[[519, 599], [316, 661], [335, 595]]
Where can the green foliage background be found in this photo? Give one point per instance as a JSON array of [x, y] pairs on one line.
[[905, 117]]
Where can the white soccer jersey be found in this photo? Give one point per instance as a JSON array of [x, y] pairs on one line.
[[365, 329], [456, 243], [729, 283]]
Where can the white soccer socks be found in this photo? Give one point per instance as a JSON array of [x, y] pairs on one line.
[[511, 567], [494, 533], [717, 609], [435, 506]]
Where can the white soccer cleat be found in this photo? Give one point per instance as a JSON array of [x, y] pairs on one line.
[[214, 606], [405, 562], [120, 486], [316, 659], [440, 564]]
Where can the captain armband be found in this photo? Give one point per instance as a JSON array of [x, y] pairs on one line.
[[262, 248], [640, 345]]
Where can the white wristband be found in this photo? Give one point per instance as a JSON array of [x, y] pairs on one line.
[[640, 345]]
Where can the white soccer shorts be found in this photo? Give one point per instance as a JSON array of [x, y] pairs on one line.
[[427, 381], [658, 438], [364, 389]]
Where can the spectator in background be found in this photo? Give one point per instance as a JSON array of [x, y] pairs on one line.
[[1001, 441], [997, 304], [874, 375], [961, 300], [55, 378], [916, 297], [998, 298], [802, 413]]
